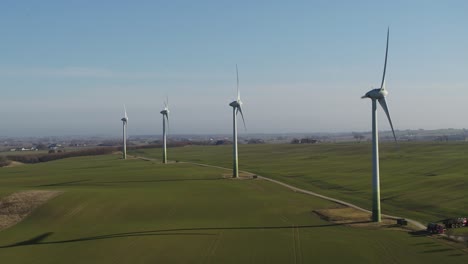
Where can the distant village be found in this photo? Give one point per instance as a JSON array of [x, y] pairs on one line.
[[66, 143]]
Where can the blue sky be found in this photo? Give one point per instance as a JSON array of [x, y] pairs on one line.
[[67, 67]]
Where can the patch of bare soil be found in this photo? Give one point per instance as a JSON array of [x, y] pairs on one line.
[[17, 206], [355, 218], [14, 164]]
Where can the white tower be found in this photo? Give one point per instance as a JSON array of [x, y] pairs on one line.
[[124, 137]]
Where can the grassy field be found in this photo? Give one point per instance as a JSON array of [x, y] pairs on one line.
[[115, 211], [424, 181]]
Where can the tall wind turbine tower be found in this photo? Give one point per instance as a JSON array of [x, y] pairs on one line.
[[379, 95], [124, 137], [165, 113], [236, 108]]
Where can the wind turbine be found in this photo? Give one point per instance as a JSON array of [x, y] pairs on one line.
[[165, 113], [124, 121], [236, 108], [379, 95]]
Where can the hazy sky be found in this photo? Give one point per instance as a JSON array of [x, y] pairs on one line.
[[67, 67]]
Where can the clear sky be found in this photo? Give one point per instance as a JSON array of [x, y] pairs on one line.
[[67, 67]]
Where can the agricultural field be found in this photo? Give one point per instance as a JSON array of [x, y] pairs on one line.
[[423, 181], [134, 211]]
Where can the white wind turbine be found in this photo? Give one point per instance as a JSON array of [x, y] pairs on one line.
[[236, 108], [379, 95], [165, 113], [124, 121]]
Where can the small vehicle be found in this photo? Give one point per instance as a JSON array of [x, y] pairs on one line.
[[455, 222], [435, 228]]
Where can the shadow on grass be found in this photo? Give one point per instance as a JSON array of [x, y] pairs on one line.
[[32, 241], [61, 183], [424, 244], [419, 233], [38, 240], [439, 250], [100, 183]]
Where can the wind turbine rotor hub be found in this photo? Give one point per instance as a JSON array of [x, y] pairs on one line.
[[383, 92]]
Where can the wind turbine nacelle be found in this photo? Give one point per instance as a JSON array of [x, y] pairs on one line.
[[376, 94], [164, 112], [124, 119], [236, 104]]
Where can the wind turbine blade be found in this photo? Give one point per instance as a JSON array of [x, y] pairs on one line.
[[239, 109], [238, 93], [167, 118], [385, 64], [383, 103], [125, 110]]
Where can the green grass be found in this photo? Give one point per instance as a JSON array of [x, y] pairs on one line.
[[115, 211], [424, 181]]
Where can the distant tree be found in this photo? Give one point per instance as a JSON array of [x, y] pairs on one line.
[[111, 143], [358, 136], [41, 146], [308, 141], [223, 142], [442, 138], [295, 141], [256, 141]]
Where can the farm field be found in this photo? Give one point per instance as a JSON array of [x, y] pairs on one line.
[[134, 211], [423, 181]]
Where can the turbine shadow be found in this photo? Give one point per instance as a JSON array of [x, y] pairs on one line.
[[100, 183], [162, 232], [37, 240], [439, 250], [162, 180], [32, 241], [61, 183]]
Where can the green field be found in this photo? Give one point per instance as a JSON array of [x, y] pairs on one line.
[[134, 211], [423, 181]]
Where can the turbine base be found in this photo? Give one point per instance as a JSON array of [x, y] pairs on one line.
[[376, 217]]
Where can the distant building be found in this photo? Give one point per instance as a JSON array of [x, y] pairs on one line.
[[53, 147]]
